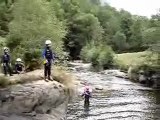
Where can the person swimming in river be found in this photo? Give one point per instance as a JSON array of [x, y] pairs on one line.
[[87, 95]]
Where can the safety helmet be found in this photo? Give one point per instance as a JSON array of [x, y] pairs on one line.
[[48, 42], [6, 49], [18, 60], [87, 88]]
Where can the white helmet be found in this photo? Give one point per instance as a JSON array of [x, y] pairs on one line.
[[48, 42], [6, 49], [18, 60]]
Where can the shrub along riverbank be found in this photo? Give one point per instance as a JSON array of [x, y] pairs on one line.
[[140, 66]]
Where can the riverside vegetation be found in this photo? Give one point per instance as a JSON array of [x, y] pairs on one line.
[[84, 29]]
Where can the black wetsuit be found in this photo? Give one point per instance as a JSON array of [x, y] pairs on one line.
[[87, 96], [6, 64], [49, 56], [19, 67]]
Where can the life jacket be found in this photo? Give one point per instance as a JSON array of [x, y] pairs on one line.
[[6, 58], [48, 54], [87, 94], [19, 66]]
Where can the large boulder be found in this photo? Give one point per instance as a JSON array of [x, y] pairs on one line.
[[38, 100]]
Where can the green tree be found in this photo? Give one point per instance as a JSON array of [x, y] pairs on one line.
[[5, 18], [119, 42], [110, 21], [136, 37], [84, 29], [101, 56], [126, 23], [151, 36], [33, 23]]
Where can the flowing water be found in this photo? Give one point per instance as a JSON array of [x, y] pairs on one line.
[[120, 99]]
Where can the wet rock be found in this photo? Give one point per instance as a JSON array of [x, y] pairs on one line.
[[99, 87], [78, 66], [116, 73], [33, 101]]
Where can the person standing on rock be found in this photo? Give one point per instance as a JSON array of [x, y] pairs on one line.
[[5, 61], [48, 57]]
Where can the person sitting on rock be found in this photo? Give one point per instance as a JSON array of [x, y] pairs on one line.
[[5, 61], [19, 66]]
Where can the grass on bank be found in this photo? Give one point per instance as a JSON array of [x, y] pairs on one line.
[[133, 63], [125, 60], [132, 58], [59, 74]]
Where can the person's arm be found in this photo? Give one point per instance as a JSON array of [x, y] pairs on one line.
[[83, 94], [9, 59], [2, 60], [43, 54], [53, 56], [90, 95], [23, 67]]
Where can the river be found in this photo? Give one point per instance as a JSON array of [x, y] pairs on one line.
[[120, 99]]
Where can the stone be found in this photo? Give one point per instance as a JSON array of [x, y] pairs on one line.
[[38, 100], [99, 87]]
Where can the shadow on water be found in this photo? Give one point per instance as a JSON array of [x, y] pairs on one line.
[[86, 110]]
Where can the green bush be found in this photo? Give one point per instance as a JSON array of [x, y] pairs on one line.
[[13, 41], [93, 56], [100, 56], [33, 23], [84, 53], [32, 59], [105, 58]]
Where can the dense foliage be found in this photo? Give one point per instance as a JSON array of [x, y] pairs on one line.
[[85, 29]]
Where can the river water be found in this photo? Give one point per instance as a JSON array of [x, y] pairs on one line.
[[120, 99]]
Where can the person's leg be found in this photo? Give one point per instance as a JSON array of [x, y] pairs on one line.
[[45, 71], [86, 102], [5, 69], [9, 69], [49, 71]]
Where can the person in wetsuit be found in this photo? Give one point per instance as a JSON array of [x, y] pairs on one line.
[[86, 94], [5, 61], [48, 57], [19, 66]]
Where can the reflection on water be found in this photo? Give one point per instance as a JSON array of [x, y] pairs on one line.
[[120, 100]]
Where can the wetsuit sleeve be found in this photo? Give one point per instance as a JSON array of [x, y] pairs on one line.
[[9, 58], [53, 56], [2, 60], [43, 53]]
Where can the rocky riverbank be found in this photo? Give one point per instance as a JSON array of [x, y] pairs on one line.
[[149, 77], [113, 98], [34, 100]]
